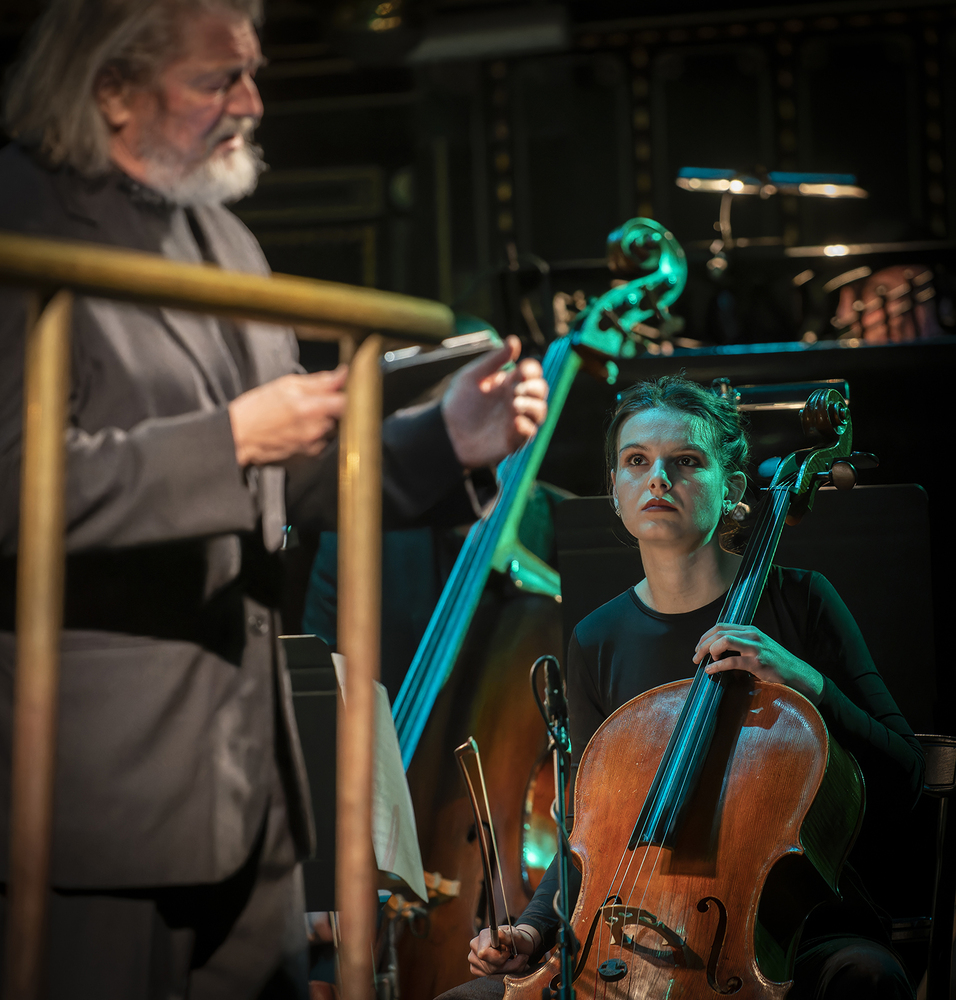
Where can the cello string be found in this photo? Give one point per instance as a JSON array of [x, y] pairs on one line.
[[738, 606], [759, 571], [615, 895], [703, 698], [623, 898], [742, 607], [609, 894], [696, 703], [706, 695]]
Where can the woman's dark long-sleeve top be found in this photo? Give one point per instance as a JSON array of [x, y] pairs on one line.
[[624, 648]]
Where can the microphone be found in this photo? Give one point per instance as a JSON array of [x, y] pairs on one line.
[[554, 698]]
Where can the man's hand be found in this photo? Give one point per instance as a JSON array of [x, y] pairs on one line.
[[485, 960], [292, 415], [320, 927], [490, 413]]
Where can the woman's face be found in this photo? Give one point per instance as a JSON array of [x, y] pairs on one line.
[[668, 482]]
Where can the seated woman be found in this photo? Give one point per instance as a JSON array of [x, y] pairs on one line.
[[676, 454]]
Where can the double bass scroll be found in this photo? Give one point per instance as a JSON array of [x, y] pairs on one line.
[[602, 331]]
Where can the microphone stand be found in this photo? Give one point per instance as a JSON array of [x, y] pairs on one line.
[[555, 713]]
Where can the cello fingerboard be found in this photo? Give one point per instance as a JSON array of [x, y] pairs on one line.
[[686, 751]]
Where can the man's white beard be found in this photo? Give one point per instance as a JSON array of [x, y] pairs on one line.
[[217, 178]]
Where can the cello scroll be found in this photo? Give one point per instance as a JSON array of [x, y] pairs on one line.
[[826, 422]]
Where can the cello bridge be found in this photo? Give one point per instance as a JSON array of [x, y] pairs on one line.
[[620, 918]]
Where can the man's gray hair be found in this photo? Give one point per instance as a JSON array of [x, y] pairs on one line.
[[50, 103]]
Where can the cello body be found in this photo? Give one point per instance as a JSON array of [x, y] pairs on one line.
[[762, 841]]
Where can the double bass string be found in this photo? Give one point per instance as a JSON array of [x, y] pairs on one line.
[[442, 640]]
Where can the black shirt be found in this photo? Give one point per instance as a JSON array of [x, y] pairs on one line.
[[625, 648]]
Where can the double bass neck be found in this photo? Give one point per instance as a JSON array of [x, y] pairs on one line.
[[492, 543]]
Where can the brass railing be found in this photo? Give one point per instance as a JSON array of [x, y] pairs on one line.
[[55, 270]]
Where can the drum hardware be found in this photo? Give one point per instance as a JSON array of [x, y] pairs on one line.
[[730, 184]]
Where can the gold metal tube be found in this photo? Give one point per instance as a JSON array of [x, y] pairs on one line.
[[93, 269], [359, 628], [129, 276], [40, 570]]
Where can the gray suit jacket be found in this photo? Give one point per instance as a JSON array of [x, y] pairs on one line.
[[174, 701]]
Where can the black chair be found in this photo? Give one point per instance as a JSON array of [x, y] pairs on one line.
[[925, 942], [939, 782]]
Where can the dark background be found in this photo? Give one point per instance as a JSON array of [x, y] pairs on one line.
[[415, 175], [427, 174]]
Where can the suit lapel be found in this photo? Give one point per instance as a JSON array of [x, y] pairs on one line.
[[200, 338], [119, 219], [266, 345], [198, 334], [267, 348]]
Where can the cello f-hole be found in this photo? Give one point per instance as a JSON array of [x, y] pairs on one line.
[[586, 950], [734, 982]]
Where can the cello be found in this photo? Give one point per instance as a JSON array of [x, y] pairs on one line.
[[713, 814], [487, 695]]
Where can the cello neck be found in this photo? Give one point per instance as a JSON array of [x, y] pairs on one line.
[[456, 607], [744, 594], [687, 748]]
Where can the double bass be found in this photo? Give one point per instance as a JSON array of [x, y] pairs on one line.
[[453, 690], [713, 814]]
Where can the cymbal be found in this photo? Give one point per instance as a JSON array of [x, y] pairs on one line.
[[858, 249]]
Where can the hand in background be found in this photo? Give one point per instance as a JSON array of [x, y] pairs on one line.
[[489, 412], [292, 415]]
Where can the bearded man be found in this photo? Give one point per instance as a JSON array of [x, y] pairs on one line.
[[181, 806]]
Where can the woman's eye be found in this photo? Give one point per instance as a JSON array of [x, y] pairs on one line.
[[636, 460], [688, 460]]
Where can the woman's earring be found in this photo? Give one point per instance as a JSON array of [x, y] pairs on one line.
[[617, 507], [729, 506]]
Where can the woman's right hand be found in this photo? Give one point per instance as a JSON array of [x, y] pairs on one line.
[[486, 960]]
